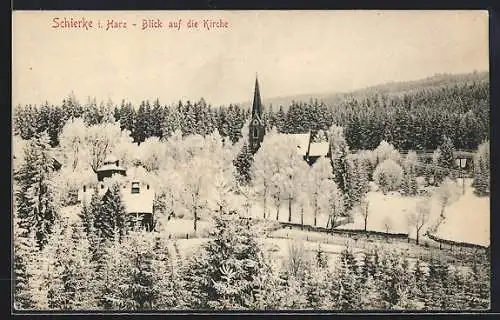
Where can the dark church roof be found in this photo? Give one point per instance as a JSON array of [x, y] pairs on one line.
[[257, 103]]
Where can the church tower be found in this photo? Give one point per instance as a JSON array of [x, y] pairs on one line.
[[257, 128]]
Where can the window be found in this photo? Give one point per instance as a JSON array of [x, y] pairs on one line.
[[135, 187], [84, 188], [255, 132]]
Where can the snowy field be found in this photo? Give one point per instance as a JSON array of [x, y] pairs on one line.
[[467, 220], [392, 209]]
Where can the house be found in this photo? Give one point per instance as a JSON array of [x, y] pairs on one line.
[[307, 147], [137, 196]]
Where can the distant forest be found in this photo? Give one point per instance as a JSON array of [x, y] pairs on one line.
[[412, 115]]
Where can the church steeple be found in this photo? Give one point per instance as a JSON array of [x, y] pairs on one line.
[[257, 128], [257, 104]]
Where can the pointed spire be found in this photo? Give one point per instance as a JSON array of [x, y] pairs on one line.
[[257, 104]]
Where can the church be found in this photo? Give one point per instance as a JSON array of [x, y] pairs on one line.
[[306, 146]]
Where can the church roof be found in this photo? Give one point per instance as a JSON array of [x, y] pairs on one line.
[[257, 104], [302, 142]]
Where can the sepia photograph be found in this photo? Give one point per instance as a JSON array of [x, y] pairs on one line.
[[256, 161]]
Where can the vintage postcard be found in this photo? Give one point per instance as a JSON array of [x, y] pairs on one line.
[[251, 160]]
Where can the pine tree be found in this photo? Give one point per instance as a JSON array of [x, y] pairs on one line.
[[243, 164], [348, 294], [168, 284], [481, 182], [35, 198], [70, 280], [447, 156], [339, 156], [25, 259], [224, 274], [140, 292], [111, 219]]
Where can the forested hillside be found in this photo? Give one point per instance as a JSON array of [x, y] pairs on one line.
[[413, 115]]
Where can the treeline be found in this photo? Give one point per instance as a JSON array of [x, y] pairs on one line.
[[146, 120], [233, 270], [412, 121], [415, 120]]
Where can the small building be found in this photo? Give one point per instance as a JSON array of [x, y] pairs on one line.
[[110, 167]]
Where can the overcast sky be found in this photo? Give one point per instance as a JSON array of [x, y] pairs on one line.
[[293, 53]]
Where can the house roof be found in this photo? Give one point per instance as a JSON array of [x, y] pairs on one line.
[[112, 166], [318, 149]]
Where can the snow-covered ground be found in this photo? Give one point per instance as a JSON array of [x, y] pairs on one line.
[[257, 211], [467, 220], [392, 209]]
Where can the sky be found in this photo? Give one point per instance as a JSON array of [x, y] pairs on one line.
[[293, 52]]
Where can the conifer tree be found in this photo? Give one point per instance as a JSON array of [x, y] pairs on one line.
[[224, 274], [25, 259], [481, 182], [111, 219], [447, 156], [35, 198], [243, 164]]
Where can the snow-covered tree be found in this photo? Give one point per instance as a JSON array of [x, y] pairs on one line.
[[24, 264], [386, 151], [111, 218], [262, 176], [70, 281], [224, 274], [409, 184], [195, 188], [447, 193], [243, 164], [335, 203], [101, 140], [481, 182], [388, 175], [151, 153], [418, 218], [339, 156], [320, 176], [72, 143], [36, 204], [447, 156]]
